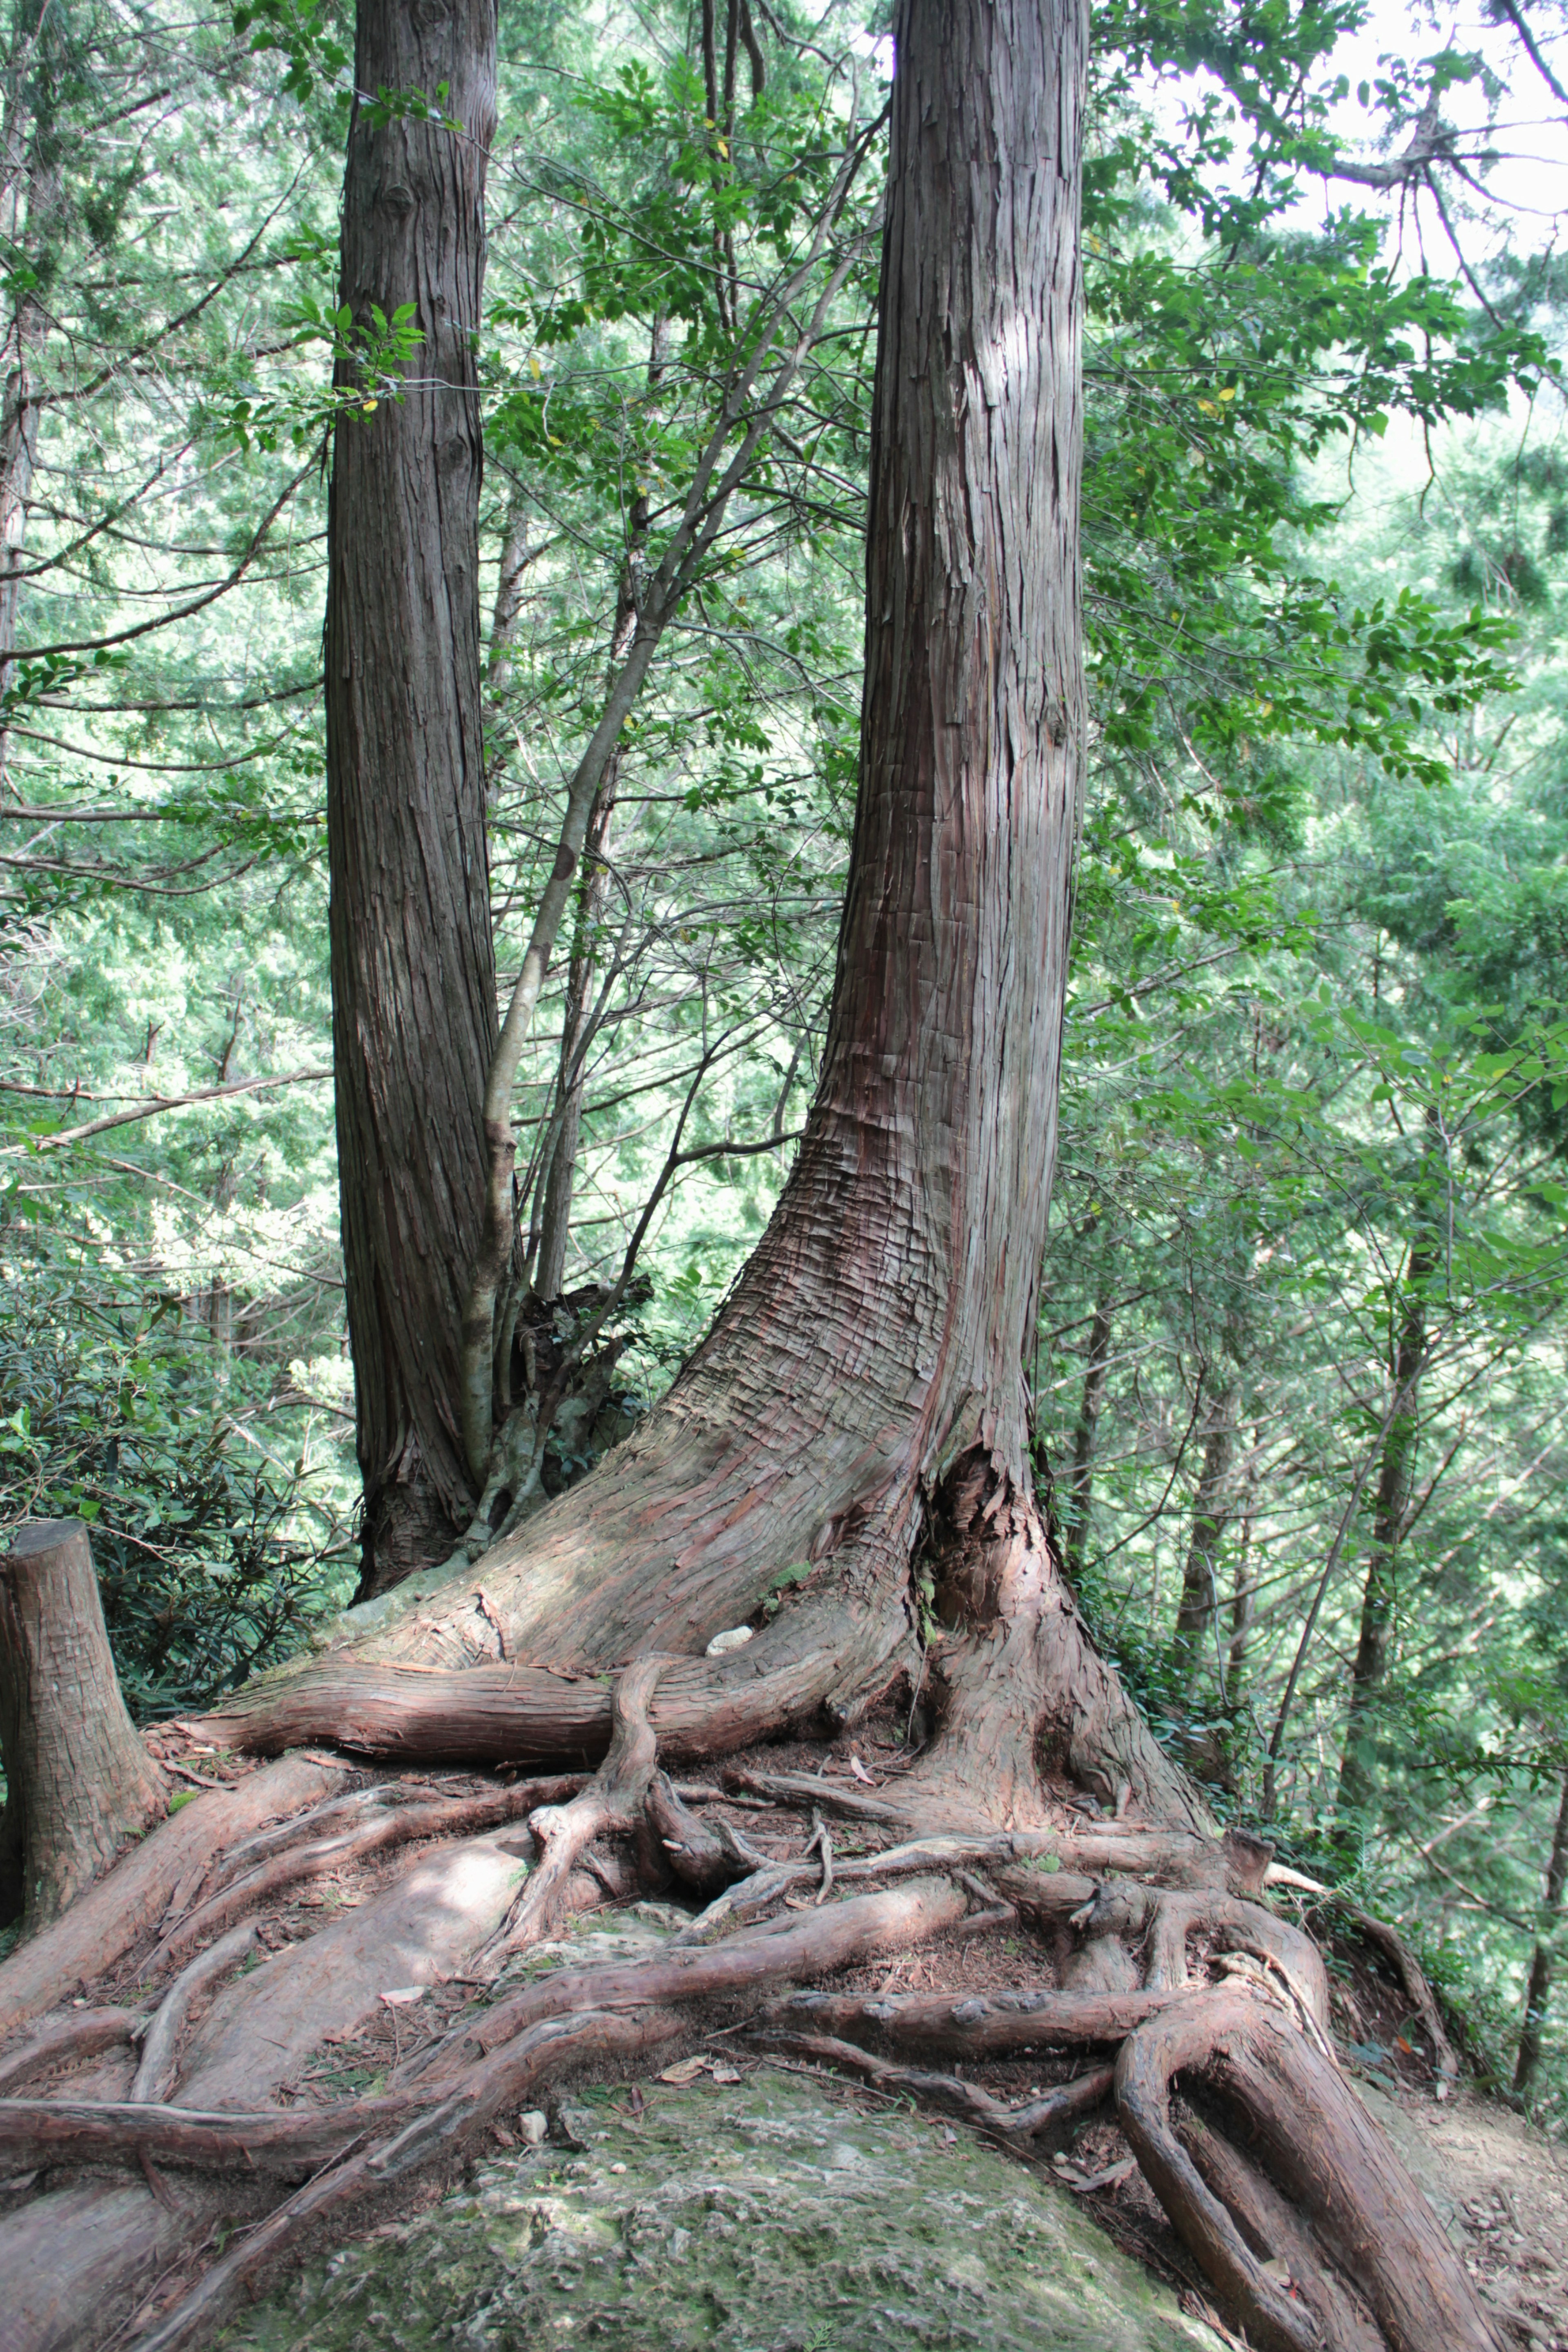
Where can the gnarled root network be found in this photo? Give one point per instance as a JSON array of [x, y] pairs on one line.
[[1182, 2007]]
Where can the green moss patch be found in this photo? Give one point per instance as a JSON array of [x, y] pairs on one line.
[[766, 2216]]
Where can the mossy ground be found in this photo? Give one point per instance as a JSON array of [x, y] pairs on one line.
[[769, 2215]]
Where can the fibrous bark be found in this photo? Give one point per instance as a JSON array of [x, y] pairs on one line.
[[1342, 2173], [414, 983], [78, 1779], [856, 1415], [874, 1342]]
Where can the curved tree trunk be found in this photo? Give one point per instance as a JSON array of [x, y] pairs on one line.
[[414, 984], [861, 1395]]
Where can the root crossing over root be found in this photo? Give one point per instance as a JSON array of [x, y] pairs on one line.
[[1282, 2187], [1296, 2110]]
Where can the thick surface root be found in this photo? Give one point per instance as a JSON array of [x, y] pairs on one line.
[[1302, 2120], [611, 1802]]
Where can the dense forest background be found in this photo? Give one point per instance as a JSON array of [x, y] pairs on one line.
[[1299, 1383]]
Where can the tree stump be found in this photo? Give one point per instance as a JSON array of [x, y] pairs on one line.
[[78, 1778]]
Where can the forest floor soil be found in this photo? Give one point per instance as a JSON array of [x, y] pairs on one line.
[[1500, 2187]]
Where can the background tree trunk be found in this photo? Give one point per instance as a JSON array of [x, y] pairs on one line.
[[1197, 1614], [559, 1178], [1543, 1959], [1244, 1590], [413, 987], [77, 1779], [877, 1332], [1397, 1474], [32, 203], [517, 553], [1080, 1478]]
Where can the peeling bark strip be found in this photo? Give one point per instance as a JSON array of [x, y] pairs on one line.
[[414, 984]]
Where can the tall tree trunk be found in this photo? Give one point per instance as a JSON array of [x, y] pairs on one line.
[[413, 988], [1397, 1475], [1198, 1609], [1543, 1959], [870, 1357], [517, 553], [1243, 1597], [872, 1349], [1080, 1478]]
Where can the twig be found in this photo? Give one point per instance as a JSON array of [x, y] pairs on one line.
[[824, 1844], [152, 1105]]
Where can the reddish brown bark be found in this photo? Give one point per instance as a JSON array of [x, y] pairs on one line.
[[1342, 2172], [124, 1910], [414, 984], [860, 1396]]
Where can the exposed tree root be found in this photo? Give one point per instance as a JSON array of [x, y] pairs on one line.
[[459, 2104], [1368, 2274], [1317, 2140], [1137, 1915], [81, 2035], [118, 1914], [1275, 2232], [160, 2047], [973, 2025], [524, 1711], [705, 1856], [1015, 2126], [457, 1817], [610, 1803], [35, 2132], [1387, 1940]]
